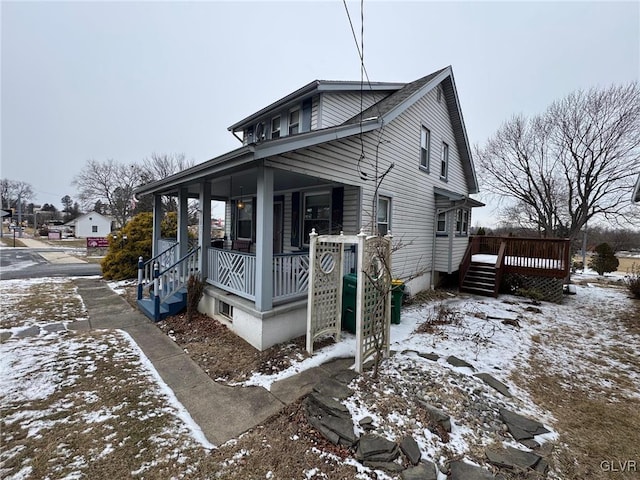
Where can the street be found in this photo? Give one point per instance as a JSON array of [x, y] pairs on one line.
[[31, 263]]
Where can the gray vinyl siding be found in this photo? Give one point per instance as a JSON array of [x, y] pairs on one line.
[[411, 189], [337, 108], [314, 112]]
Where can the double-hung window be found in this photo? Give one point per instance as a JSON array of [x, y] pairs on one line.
[[294, 121], [441, 224], [462, 221], [244, 222], [275, 128], [444, 161], [425, 148], [384, 215], [317, 214]]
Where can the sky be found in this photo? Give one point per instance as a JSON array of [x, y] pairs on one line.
[[122, 80]]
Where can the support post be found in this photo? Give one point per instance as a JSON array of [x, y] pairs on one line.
[[360, 300], [157, 222], [204, 234], [313, 239], [264, 240], [183, 223], [387, 313]]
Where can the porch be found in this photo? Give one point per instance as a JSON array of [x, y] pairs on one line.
[[488, 259]]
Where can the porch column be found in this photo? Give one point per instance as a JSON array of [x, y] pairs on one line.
[[157, 222], [183, 223], [204, 233], [264, 240]]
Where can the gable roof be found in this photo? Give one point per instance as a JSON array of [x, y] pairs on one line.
[[85, 215], [310, 89], [374, 117]]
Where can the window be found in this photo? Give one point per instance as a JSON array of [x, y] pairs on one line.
[[275, 128], [384, 214], [425, 148], [441, 227], [462, 222], [248, 136], [244, 222], [294, 122], [317, 214], [94, 229], [444, 161], [225, 310]]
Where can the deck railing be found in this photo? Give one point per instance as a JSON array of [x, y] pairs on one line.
[[233, 271], [290, 276], [544, 257]]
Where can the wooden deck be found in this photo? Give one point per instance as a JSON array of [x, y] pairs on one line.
[[541, 257]]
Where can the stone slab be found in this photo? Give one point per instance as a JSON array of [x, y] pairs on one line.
[[333, 388], [429, 356], [460, 470], [458, 362], [79, 325], [54, 327], [288, 390], [390, 467], [512, 458], [424, 471], [437, 415], [32, 331], [495, 384], [410, 448]]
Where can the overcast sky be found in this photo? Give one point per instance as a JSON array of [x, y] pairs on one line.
[[87, 80]]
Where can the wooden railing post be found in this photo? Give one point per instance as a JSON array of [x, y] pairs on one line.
[[156, 291], [140, 276]]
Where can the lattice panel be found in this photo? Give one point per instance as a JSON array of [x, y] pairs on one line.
[[376, 273], [326, 301], [550, 288]]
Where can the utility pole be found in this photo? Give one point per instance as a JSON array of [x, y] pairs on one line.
[[19, 216]]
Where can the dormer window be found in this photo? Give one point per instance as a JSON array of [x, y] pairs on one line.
[[294, 121], [275, 128]]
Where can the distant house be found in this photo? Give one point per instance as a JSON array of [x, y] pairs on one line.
[[92, 224]]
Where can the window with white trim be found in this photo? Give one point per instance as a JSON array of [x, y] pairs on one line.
[[294, 121], [317, 214], [462, 221], [94, 229], [425, 148], [384, 215], [275, 127], [441, 224], [444, 161]]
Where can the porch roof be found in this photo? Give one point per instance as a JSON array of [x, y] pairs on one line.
[[463, 200]]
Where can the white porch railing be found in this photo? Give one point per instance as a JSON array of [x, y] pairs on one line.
[[290, 275], [235, 272]]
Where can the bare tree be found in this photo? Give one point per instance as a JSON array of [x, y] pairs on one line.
[[11, 190], [575, 162], [158, 167], [112, 184]]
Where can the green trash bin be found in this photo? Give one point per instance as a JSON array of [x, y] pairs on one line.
[[397, 292], [349, 285]]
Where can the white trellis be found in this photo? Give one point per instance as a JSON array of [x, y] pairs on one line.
[[373, 292]]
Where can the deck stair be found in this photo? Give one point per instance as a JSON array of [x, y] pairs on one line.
[[480, 279]]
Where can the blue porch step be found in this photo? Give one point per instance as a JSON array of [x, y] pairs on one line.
[[171, 306]]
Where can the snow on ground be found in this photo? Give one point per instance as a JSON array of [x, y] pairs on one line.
[[496, 336], [96, 389]]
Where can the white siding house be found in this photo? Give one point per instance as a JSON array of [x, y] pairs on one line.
[[313, 159], [91, 224]]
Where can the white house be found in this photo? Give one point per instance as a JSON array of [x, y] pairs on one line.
[[92, 224], [334, 156]]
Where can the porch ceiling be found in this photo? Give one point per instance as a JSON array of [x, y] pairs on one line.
[[245, 183]]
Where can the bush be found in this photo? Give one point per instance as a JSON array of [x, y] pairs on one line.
[[632, 280], [121, 261], [195, 289], [604, 260]]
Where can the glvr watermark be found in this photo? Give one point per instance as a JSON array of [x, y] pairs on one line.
[[619, 466]]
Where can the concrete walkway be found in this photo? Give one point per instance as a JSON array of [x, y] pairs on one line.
[[222, 412], [50, 256]]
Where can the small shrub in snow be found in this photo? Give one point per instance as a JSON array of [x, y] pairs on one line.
[[604, 260], [632, 280], [195, 290], [441, 315]]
